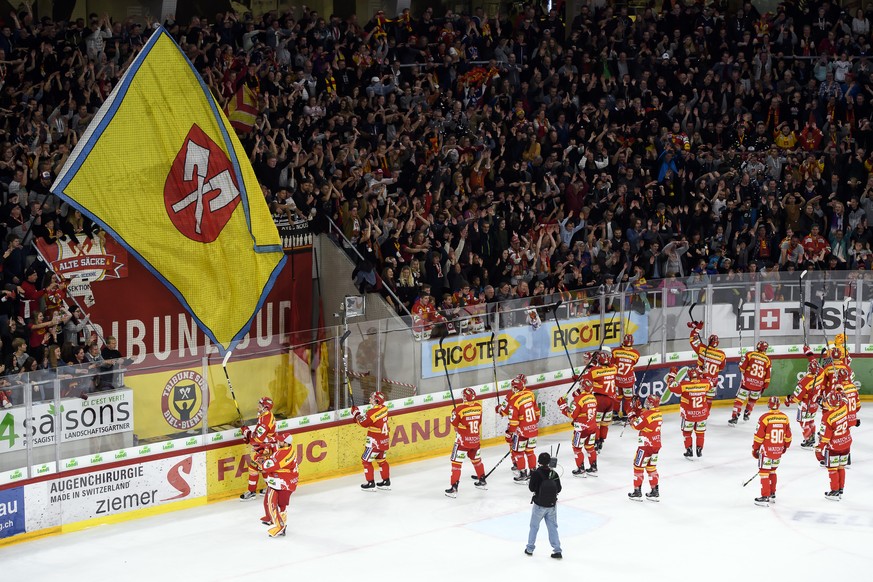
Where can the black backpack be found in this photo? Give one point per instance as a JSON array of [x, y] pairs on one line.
[[547, 496]]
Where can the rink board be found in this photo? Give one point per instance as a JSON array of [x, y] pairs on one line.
[[185, 472]]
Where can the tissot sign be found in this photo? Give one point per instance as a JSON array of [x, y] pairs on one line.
[[784, 319]]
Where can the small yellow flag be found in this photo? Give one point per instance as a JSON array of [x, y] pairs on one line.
[[161, 169]]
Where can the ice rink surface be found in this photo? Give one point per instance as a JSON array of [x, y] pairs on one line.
[[706, 525]]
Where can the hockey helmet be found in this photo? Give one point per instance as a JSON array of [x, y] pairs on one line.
[[377, 398], [762, 346], [265, 403], [628, 340], [519, 383], [653, 401], [469, 394], [605, 359], [586, 385], [713, 341], [836, 353], [693, 373], [834, 400], [843, 375], [840, 340], [814, 367], [773, 403]]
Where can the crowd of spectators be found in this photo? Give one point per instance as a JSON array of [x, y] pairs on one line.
[[485, 157]]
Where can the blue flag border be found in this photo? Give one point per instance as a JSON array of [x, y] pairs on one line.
[[82, 151]]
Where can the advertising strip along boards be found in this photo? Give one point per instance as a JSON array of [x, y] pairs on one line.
[[77, 501], [524, 344]]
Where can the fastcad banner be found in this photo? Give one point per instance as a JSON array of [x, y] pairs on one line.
[[783, 378], [103, 414], [784, 319], [99, 494], [524, 344]]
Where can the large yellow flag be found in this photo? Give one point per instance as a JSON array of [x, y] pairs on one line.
[[161, 169]]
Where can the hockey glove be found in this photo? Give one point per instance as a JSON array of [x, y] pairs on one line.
[[756, 453], [246, 434], [562, 402], [858, 422]]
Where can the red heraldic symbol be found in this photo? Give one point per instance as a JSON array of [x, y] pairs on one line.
[[201, 191]]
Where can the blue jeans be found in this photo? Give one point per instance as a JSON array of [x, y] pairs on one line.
[[550, 514]]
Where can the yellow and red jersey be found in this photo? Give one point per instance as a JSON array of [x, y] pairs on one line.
[[808, 389], [265, 429], [755, 367], [709, 359], [625, 359], [524, 414], [853, 401], [837, 430], [648, 423], [375, 420], [583, 413], [773, 434], [280, 469], [467, 420], [692, 398], [603, 379]]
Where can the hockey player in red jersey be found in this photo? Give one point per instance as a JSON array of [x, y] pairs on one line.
[[710, 359], [755, 369], [835, 443], [693, 408], [850, 393], [264, 431], [806, 395], [772, 439], [602, 377], [583, 416], [625, 358], [279, 468], [648, 423], [524, 415], [375, 420], [467, 420]]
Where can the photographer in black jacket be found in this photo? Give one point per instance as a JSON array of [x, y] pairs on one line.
[[545, 485]]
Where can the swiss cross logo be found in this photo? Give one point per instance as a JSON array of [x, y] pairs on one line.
[[769, 319], [201, 192]]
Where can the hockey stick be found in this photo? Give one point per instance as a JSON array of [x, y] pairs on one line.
[[494, 366], [488, 474], [818, 311], [230, 386], [342, 340], [802, 308], [636, 389], [740, 320], [691, 311], [564, 343], [446, 370], [750, 479]]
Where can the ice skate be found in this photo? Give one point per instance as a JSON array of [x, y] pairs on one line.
[[452, 491], [688, 454], [636, 494], [522, 478], [480, 484], [580, 472], [762, 501], [592, 471], [832, 495], [733, 421], [654, 495], [369, 486], [248, 495], [699, 451], [384, 485]]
